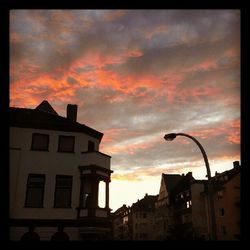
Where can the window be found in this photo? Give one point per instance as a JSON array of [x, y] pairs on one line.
[[125, 220], [35, 190], [223, 230], [91, 146], [189, 203], [66, 143], [40, 142], [63, 191], [220, 194], [222, 211]]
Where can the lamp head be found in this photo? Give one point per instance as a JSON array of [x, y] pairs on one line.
[[170, 137]]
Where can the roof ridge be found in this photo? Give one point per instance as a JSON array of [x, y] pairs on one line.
[[45, 106]]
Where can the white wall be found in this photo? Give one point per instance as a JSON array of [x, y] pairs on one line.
[[23, 161]]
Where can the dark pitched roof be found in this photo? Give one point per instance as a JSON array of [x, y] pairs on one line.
[[171, 180], [121, 210], [222, 178], [46, 107], [183, 184], [44, 117], [145, 204]]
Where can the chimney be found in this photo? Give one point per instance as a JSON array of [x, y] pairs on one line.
[[72, 112], [236, 164]]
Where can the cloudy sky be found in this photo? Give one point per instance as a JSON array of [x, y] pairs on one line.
[[135, 76]]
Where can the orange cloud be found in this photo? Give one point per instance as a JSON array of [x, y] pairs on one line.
[[160, 29], [15, 37], [111, 16], [234, 136], [231, 129], [130, 147], [112, 134]]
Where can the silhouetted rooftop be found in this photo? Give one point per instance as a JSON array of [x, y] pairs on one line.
[[145, 204], [45, 117], [171, 180]]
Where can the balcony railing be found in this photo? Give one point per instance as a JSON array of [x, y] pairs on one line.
[[95, 158], [98, 212]]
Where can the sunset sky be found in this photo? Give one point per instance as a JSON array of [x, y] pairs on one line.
[[135, 76]]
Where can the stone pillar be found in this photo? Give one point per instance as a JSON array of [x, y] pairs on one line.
[[107, 195], [80, 196]]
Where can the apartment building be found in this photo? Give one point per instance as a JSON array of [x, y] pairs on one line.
[[122, 223], [56, 172], [227, 197], [182, 206], [142, 216]]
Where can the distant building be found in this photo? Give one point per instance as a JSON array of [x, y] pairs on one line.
[[142, 216], [182, 206], [164, 222], [227, 186], [189, 211], [135, 222], [122, 223], [55, 172], [180, 210]]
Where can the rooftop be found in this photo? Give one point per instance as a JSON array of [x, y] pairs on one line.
[[45, 117]]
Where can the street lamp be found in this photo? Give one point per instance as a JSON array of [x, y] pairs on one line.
[[171, 137]]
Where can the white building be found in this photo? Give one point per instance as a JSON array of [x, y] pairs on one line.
[[55, 172]]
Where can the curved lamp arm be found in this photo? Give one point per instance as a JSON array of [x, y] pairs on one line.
[[172, 136]]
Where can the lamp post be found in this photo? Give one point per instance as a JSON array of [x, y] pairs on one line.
[[171, 137]]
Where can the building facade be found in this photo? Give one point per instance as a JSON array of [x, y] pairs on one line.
[[227, 197], [122, 223], [182, 207], [164, 220], [55, 174], [135, 222], [142, 216]]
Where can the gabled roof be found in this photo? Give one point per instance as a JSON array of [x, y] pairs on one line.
[[46, 107], [171, 180], [44, 117], [183, 184], [145, 204]]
